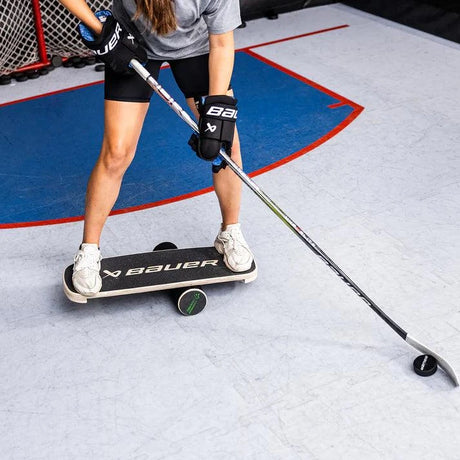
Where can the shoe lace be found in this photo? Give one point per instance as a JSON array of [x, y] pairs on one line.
[[84, 260], [232, 238]]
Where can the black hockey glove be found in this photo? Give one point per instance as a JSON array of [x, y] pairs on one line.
[[216, 125], [115, 46]]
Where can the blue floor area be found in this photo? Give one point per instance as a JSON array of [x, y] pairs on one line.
[[49, 145]]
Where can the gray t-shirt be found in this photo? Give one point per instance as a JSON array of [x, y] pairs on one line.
[[195, 20]]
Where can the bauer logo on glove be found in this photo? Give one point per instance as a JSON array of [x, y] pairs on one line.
[[216, 125], [115, 46], [217, 111], [113, 42]]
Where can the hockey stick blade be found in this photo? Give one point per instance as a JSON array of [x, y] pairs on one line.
[[145, 75], [443, 364]]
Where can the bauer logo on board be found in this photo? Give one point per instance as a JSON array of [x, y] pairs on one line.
[[160, 268]]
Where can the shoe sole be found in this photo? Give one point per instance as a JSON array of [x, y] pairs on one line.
[[220, 249], [89, 294]]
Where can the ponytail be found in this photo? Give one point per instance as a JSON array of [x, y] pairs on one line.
[[160, 13]]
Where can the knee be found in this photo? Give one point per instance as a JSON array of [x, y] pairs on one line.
[[116, 157]]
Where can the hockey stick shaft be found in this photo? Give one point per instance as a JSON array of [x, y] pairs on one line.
[[140, 69]]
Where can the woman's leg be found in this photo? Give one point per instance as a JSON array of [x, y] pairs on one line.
[[226, 183], [126, 102], [123, 124], [230, 241], [228, 187]]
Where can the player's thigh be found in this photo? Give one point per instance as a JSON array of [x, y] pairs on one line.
[[192, 75], [127, 99], [123, 123]]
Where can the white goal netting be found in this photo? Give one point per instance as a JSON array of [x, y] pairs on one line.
[[18, 42], [18, 37]]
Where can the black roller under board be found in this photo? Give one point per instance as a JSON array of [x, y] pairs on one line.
[[189, 300]]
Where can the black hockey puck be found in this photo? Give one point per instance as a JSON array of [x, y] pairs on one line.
[[19, 76], [44, 70], [99, 68], [90, 60], [32, 74], [56, 61], [425, 365], [5, 79], [189, 300], [78, 62]]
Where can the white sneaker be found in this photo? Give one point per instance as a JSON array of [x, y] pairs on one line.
[[87, 264], [231, 243]]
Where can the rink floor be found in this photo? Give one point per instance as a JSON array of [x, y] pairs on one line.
[[293, 365]]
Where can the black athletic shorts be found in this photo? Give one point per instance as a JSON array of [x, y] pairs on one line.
[[191, 75]]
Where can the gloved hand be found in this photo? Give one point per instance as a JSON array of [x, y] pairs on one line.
[[216, 125], [115, 46]]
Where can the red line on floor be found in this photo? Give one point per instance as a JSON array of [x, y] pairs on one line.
[[52, 93], [307, 34], [357, 109], [140, 207], [341, 99], [336, 105]]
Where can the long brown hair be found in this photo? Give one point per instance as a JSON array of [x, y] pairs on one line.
[[160, 13]]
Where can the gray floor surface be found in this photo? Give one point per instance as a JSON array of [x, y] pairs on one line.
[[295, 365]]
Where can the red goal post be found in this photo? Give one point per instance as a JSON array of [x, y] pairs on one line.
[[33, 31]]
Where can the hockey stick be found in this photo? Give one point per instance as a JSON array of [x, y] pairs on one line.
[[139, 68]]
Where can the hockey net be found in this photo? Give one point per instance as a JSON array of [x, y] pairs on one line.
[[32, 31]]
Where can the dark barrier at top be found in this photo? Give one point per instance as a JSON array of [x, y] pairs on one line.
[[437, 17], [253, 9]]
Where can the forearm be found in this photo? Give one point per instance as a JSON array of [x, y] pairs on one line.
[[82, 11], [221, 59]]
